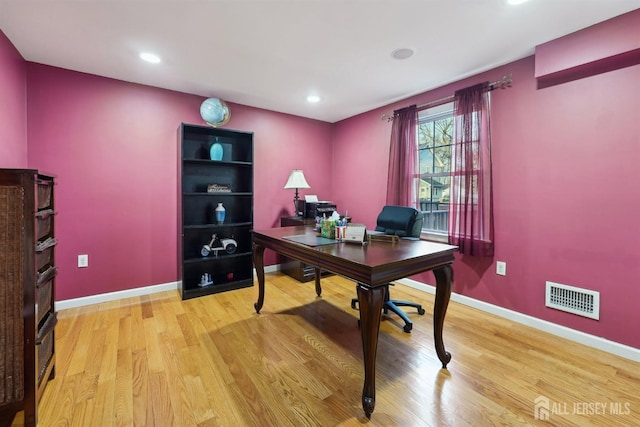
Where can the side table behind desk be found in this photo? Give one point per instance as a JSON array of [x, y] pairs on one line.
[[294, 268]]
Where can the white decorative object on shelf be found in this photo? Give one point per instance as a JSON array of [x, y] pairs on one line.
[[220, 213]]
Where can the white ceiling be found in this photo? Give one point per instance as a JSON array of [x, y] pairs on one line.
[[273, 53]]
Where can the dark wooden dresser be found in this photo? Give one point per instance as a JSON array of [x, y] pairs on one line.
[[27, 290]]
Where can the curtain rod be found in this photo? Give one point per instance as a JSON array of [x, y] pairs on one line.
[[503, 83]]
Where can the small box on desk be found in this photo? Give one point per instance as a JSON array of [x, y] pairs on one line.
[[328, 229]]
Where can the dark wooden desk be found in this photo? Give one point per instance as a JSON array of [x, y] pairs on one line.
[[372, 266]]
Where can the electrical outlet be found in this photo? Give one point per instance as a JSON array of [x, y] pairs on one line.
[[83, 261], [501, 268]]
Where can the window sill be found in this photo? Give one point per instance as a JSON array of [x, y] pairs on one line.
[[434, 237]]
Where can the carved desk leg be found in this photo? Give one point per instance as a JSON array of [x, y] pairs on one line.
[[258, 261], [444, 282], [370, 302], [318, 287]]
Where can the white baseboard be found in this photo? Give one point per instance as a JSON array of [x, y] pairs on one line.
[[112, 296], [270, 269], [599, 343], [130, 293], [593, 341]]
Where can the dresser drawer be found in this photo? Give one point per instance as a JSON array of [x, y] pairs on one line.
[[45, 189], [44, 221], [308, 272], [45, 275], [44, 345], [44, 300], [44, 258]]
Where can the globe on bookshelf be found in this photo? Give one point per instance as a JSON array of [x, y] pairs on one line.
[[215, 112]]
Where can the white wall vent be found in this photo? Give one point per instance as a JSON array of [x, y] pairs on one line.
[[573, 300]]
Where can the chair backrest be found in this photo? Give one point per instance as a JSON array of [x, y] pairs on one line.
[[400, 220]]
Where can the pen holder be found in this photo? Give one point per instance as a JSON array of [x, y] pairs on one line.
[[340, 232], [328, 229]]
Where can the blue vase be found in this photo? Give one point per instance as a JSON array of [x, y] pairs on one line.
[[215, 152], [220, 213]]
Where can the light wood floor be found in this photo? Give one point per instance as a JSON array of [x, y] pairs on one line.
[[212, 361]]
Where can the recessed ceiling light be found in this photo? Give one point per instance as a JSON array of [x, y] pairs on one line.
[[402, 53], [150, 57], [515, 2], [313, 98]]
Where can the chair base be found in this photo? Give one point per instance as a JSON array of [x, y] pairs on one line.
[[394, 305]]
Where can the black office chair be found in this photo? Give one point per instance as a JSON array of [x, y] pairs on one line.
[[403, 222]]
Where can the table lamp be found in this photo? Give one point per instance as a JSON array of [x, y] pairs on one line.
[[296, 180]]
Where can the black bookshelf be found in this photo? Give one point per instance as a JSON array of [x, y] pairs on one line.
[[202, 184]]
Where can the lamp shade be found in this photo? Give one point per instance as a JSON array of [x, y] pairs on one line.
[[296, 180]]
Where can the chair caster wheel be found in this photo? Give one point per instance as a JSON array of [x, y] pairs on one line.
[[353, 305], [421, 311], [408, 327]]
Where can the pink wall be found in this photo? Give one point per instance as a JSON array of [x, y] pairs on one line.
[[13, 106], [565, 162], [113, 148], [566, 197]]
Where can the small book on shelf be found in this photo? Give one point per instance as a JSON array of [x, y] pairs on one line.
[[219, 188]]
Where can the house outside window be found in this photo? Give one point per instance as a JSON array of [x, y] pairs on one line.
[[434, 140]]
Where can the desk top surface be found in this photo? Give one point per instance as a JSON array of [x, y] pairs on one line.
[[367, 261]]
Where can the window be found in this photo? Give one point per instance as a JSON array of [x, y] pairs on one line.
[[435, 138]]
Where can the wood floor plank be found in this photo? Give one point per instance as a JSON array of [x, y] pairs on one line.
[[154, 355], [243, 386], [178, 394], [106, 392], [141, 389], [163, 414], [123, 409], [155, 360], [215, 398]]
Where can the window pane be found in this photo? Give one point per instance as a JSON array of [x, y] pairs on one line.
[[435, 136]]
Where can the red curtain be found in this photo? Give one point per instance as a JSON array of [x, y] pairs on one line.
[[402, 183], [471, 200]]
